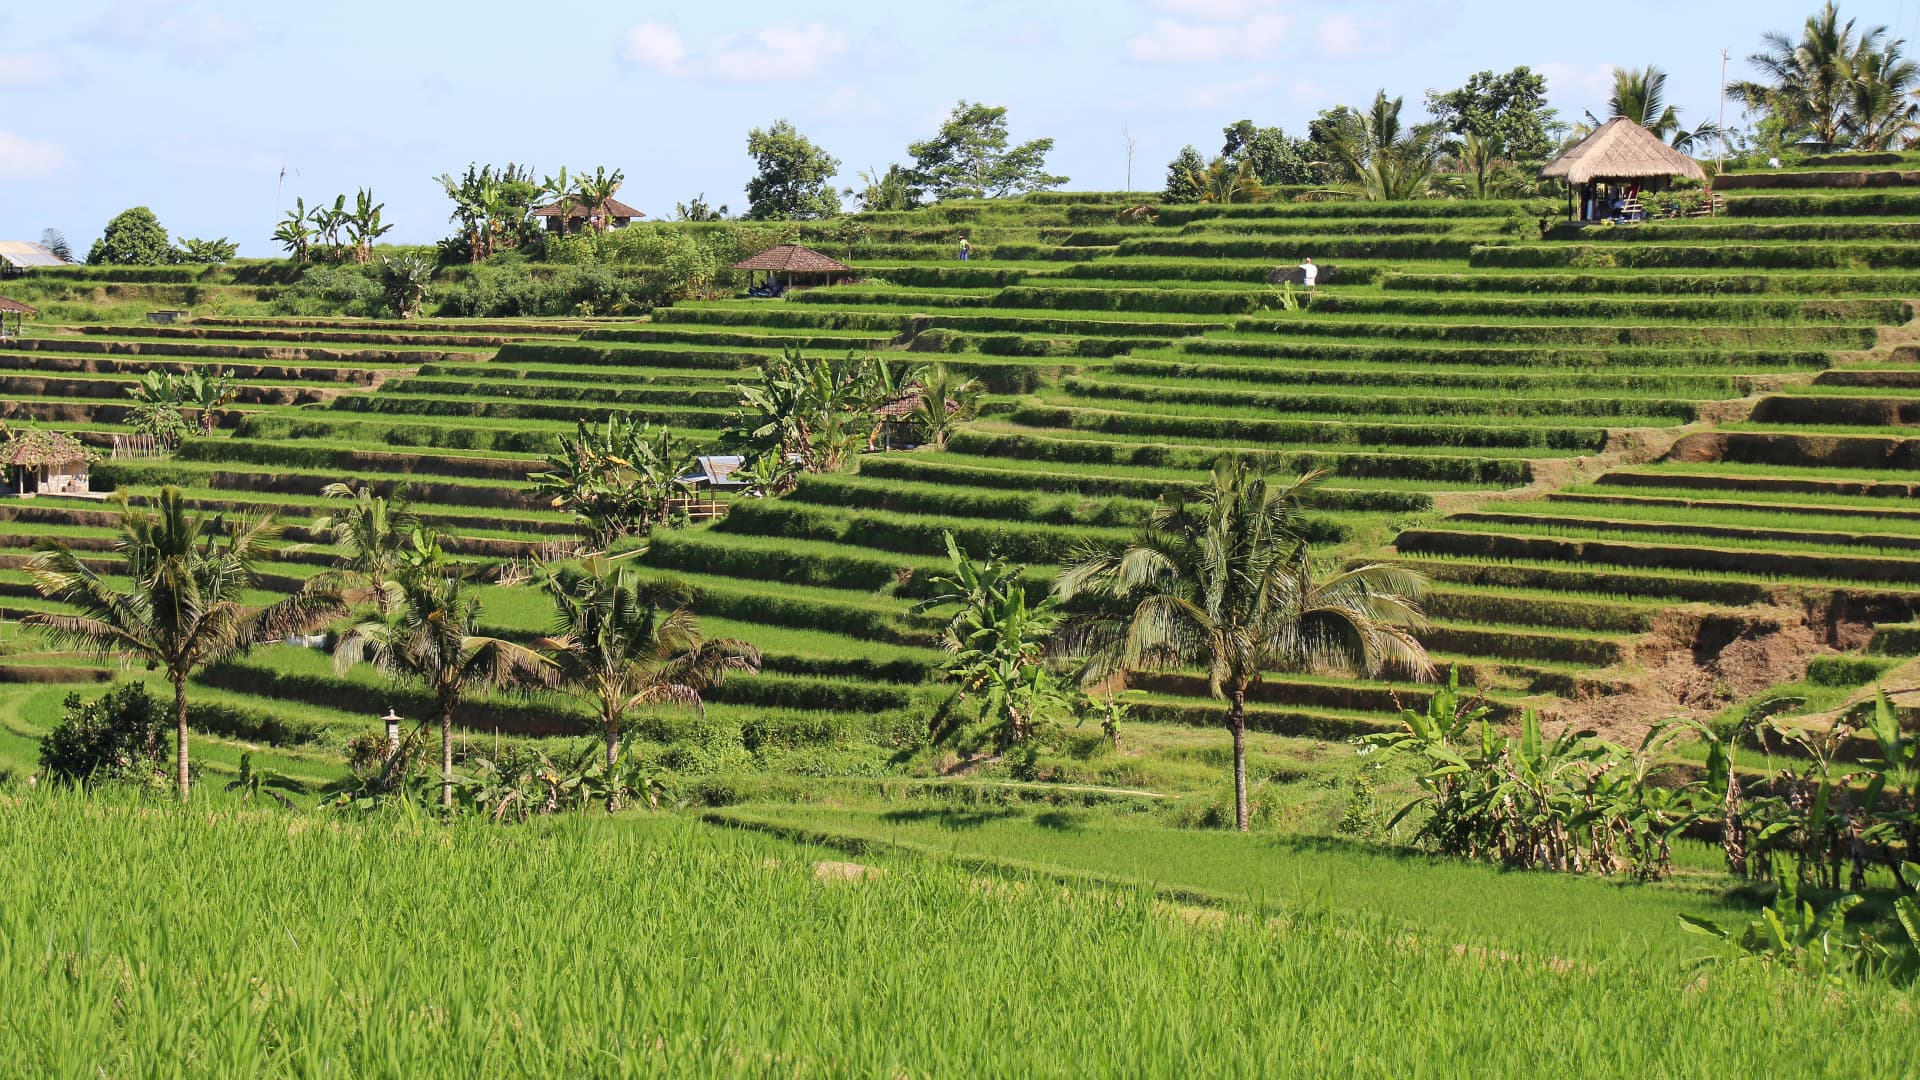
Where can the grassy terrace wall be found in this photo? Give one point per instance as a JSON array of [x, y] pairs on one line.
[[1443, 358]]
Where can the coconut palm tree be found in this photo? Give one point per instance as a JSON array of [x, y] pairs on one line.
[[612, 646], [184, 609], [431, 637], [373, 535], [1226, 581], [1807, 83], [1884, 99], [1378, 158]]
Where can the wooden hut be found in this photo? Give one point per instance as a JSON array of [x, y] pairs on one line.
[[784, 263], [572, 215], [45, 463], [1607, 171], [13, 316]]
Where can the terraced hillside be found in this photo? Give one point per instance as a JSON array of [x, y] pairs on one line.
[[1648, 468]]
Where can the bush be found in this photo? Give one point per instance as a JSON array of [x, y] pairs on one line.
[[335, 290], [113, 738], [1844, 671]]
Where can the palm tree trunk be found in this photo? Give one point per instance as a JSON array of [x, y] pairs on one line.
[[180, 735], [446, 754], [1237, 723], [612, 734]]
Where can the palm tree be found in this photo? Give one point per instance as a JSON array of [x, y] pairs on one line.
[[1226, 581], [184, 609], [1884, 109], [1807, 83], [946, 400], [595, 192], [372, 535], [295, 231], [1226, 182], [430, 637], [1376, 157], [476, 198], [612, 647], [364, 225], [207, 392]]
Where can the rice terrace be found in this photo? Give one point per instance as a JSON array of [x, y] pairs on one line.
[[1427, 585]]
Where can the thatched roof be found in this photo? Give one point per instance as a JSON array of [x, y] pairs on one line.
[[577, 209], [903, 404], [793, 259], [1621, 150], [35, 448], [15, 307]]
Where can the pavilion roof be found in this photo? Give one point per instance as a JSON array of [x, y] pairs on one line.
[[15, 307], [1621, 150], [574, 208], [793, 259], [40, 447]]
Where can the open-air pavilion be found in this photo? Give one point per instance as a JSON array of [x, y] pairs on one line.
[[1608, 171], [787, 262], [13, 316]]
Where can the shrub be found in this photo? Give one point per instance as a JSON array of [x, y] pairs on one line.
[[112, 738]]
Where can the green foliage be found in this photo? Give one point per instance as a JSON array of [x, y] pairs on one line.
[[1811, 939], [892, 190], [793, 178], [616, 479], [134, 237], [494, 208], [998, 643], [1184, 173], [405, 283], [813, 411], [1574, 803], [1270, 155], [969, 158], [156, 408], [1834, 86], [108, 739], [1508, 109], [253, 783], [206, 252], [697, 209], [327, 290]]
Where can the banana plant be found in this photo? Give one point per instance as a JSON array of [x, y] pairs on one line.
[[295, 231], [252, 783], [364, 226]]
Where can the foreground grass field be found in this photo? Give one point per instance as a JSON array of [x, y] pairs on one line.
[[145, 941]]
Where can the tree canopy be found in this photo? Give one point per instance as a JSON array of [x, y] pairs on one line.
[[1509, 110], [1834, 86], [970, 158], [1271, 155], [793, 178], [134, 237]]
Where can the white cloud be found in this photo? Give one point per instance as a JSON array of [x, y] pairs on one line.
[[1218, 95], [778, 53], [1175, 41], [656, 45], [1343, 37], [25, 159], [189, 33], [1214, 10], [27, 69]]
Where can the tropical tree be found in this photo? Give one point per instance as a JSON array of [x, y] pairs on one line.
[[1183, 176], [328, 221], [1884, 109], [1508, 110], [890, 190], [406, 282], [184, 608], [56, 244], [1808, 84], [998, 642], [476, 197], [206, 391], [612, 646], [814, 410], [1226, 580], [1374, 156], [134, 237], [698, 209], [206, 252], [1640, 95], [364, 225], [946, 400], [431, 637], [295, 231], [792, 179], [616, 478], [156, 408], [595, 192], [373, 534], [969, 158], [1269, 153], [1223, 181]]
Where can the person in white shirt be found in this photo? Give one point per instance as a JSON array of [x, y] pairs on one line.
[[1309, 274]]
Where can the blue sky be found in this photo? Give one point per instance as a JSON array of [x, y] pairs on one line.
[[193, 107]]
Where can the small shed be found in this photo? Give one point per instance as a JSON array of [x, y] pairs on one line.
[[13, 316], [714, 472], [1612, 166], [19, 256], [572, 215], [46, 463], [785, 262], [895, 428]]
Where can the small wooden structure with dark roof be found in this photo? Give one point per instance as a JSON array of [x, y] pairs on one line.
[[1615, 164], [790, 260], [896, 429], [45, 463], [572, 215], [13, 315]]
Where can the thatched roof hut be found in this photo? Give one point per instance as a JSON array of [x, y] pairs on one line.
[[45, 462], [793, 259], [569, 215], [13, 314], [1621, 151]]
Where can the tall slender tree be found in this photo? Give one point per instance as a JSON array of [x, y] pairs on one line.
[[432, 637], [184, 609], [612, 645], [1226, 581], [1807, 82], [373, 534]]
